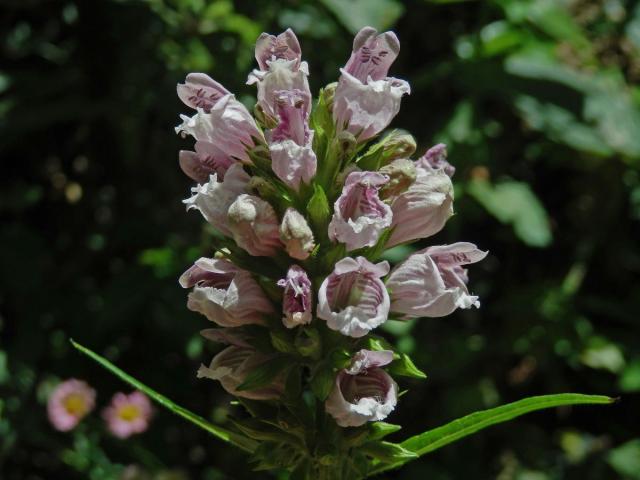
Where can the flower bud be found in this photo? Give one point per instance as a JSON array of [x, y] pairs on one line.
[[352, 299], [432, 282], [297, 298], [231, 367], [401, 173], [296, 235], [364, 392], [254, 225], [359, 216], [396, 145], [225, 294]]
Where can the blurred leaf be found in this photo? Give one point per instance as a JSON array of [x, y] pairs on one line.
[[222, 433], [439, 437], [625, 459], [515, 204], [561, 125], [604, 355], [630, 378], [355, 14]]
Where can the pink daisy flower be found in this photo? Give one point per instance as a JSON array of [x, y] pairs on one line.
[[128, 414], [69, 403]]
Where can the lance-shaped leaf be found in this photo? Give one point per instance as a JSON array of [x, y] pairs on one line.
[[239, 441], [439, 437]]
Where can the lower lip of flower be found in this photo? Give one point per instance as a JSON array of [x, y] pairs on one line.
[[75, 404]]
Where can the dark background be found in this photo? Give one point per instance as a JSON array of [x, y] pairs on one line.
[[540, 106]]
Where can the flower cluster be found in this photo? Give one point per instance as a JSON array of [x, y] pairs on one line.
[[305, 197], [72, 400]]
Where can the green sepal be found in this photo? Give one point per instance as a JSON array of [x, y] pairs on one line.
[[259, 430], [308, 343], [376, 343], [271, 456], [387, 452], [282, 341], [340, 358], [318, 210], [405, 367], [265, 373], [379, 430], [322, 382]]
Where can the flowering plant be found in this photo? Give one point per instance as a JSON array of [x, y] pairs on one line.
[[305, 197]]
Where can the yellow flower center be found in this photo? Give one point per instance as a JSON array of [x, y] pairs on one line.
[[75, 404], [128, 413]]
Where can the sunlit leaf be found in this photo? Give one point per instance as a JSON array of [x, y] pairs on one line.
[[439, 437]]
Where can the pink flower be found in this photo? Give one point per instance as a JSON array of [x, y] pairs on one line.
[[364, 392], [359, 216], [228, 125], [296, 235], [292, 157], [204, 162], [352, 299], [225, 294], [231, 367], [432, 282], [201, 91], [254, 225], [366, 100], [69, 403], [297, 298], [281, 68], [423, 209], [436, 159], [214, 198], [128, 414]]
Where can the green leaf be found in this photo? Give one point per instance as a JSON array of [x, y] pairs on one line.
[[405, 367], [625, 459], [261, 431], [355, 14], [439, 437], [265, 373], [282, 341], [514, 203], [222, 433], [388, 452]]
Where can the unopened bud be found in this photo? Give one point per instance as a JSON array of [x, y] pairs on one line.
[[397, 144], [296, 235], [402, 173]]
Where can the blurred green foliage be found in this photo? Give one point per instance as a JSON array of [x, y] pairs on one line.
[[539, 103]]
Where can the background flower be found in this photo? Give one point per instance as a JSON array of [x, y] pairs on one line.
[[128, 414], [69, 403]]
